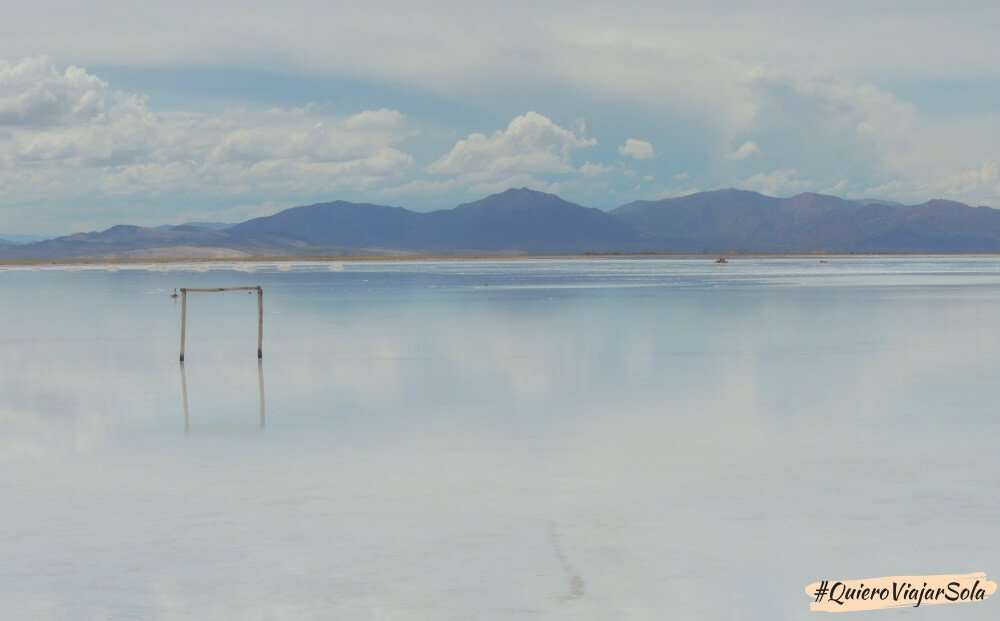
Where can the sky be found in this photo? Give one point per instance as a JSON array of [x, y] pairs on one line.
[[172, 112]]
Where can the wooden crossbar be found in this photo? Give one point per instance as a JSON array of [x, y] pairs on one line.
[[217, 289], [260, 312]]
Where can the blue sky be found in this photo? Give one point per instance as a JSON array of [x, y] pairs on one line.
[[176, 111]]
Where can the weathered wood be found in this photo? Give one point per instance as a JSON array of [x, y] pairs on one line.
[[184, 306], [184, 399], [260, 387], [260, 312], [260, 323], [218, 289]]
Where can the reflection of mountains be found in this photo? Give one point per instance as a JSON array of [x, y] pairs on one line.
[[526, 221], [261, 414]]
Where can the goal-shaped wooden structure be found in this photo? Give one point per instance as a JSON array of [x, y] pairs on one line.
[[260, 313]]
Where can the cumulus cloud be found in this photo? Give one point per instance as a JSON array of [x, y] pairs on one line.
[[590, 169], [67, 134], [637, 149], [370, 119], [530, 145], [744, 151], [33, 93], [715, 75], [781, 182], [858, 140], [984, 178], [291, 134], [676, 193]]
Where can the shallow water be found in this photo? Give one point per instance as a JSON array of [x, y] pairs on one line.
[[599, 439]]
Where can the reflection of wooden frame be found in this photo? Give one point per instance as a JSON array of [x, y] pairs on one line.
[[261, 416], [260, 313]]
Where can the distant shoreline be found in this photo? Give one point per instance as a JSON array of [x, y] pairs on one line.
[[520, 223], [83, 261]]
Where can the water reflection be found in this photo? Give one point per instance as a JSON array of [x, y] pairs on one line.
[[262, 402], [262, 416], [553, 445], [184, 398]]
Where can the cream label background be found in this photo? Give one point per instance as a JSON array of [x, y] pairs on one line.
[[856, 594]]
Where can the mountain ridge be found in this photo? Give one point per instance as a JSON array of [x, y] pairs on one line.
[[525, 221]]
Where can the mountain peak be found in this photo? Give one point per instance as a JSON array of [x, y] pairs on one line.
[[123, 229], [523, 220], [943, 203], [732, 192], [518, 198], [523, 193], [813, 199], [813, 195]]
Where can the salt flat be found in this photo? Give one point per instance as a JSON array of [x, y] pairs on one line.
[[628, 439]]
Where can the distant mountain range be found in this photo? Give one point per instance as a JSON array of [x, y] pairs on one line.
[[14, 240], [523, 221]]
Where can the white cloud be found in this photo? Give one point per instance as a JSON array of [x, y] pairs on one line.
[[781, 182], [590, 169], [744, 151], [676, 193], [34, 93], [711, 78], [682, 176], [972, 180], [637, 149], [382, 118], [531, 144], [837, 189], [434, 45], [69, 135], [858, 140], [287, 134]]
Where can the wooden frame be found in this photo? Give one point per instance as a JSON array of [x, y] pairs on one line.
[[260, 313]]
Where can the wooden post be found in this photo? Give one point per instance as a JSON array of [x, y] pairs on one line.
[[260, 313], [260, 387], [260, 323], [184, 399], [184, 306]]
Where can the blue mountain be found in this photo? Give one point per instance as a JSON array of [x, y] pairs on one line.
[[523, 221]]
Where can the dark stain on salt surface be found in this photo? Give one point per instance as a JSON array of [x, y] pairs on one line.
[[577, 587]]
